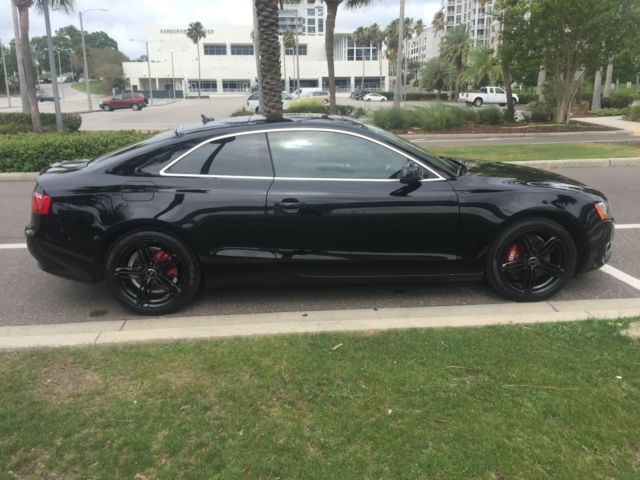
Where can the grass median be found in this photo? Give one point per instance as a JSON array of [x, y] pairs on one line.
[[535, 401], [547, 151]]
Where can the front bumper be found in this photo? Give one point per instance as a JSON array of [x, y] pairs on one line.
[[599, 246]]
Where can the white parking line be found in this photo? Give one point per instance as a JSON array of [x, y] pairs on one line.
[[625, 226], [11, 246], [623, 277]]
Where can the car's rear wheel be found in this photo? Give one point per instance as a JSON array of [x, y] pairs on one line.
[[478, 102], [152, 273], [136, 107], [531, 260], [107, 108]]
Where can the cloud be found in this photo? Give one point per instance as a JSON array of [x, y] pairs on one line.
[[125, 19]]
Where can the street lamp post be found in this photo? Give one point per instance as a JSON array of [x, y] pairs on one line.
[[60, 68], [6, 79], [146, 43], [84, 54], [173, 75]]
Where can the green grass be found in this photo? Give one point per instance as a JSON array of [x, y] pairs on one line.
[[535, 401], [549, 151], [97, 88]]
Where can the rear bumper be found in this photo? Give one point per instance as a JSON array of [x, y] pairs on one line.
[[600, 240], [59, 260]]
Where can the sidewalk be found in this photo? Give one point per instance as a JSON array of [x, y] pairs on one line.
[[220, 326], [615, 122]]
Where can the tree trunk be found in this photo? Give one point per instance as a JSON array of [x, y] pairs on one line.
[[596, 104], [24, 95], [256, 54], [456, 88], [506, 76], [52, 67], [330, 26], [23, 14], [608, 79], [297, 60], [269, 57], [199, 74], [397, 95], [362, 80], [542, 77], [380, 66], [566, 89], [284, 66]]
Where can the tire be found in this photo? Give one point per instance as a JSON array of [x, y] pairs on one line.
[[107, 108], [136, 107], [152, 273], [478, 102], [257, 110], [502, 104], [368, 100], [531, 260]]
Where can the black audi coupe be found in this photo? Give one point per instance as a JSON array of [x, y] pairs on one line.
[[316, 198]]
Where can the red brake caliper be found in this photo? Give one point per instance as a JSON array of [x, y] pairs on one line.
[[513, 252], [161, 257]]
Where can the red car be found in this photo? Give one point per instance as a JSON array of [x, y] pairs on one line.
[[135, 101]]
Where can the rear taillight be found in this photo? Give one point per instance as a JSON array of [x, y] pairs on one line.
[[40, 202]]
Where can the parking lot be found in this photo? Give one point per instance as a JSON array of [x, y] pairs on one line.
[[30, 296]]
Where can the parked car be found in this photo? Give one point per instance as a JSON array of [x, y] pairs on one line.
[[489, 95], [134, 100], [253, 102], [308, 198], [359, 94], [374, 97], [312, 93], [45, 97]]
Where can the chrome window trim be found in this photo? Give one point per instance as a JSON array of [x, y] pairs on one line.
[[164, 172]]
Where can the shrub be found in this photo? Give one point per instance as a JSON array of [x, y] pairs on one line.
[[541, 112], [388, 95], [417, 96], [394, 118], [526, 98], [350, 111], [243, 112], [634, 114], [617, 101], [31, 152], [433, 117], [609, 112], [490, 116], [307, 105], [18, 122]]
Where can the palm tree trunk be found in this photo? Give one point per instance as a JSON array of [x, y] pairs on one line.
[[542, 77], [380, 65], [199, 74], [297, 59], [284, 65], [506, 76], [269, 57], [256, 51], [608, 79], [398, 86], [52, 67], [23, 14], [596, 103], [362, 80], [330, 26], [24, 95]]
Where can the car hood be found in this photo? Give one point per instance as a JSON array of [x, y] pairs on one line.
[[520, 174]]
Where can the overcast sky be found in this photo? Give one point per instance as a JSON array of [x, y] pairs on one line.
[[126, 19]]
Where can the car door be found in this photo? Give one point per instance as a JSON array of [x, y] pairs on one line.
[[338, 208], [501, 96], [218, 195]]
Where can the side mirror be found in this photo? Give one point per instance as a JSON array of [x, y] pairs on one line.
[[410, 174]]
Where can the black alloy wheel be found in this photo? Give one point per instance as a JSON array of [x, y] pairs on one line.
[[531, 260], [152, 273]]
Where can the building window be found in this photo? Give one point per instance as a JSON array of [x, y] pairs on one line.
[[241, 49], [236, 85], [302, 50], [369, 52], [320, 11], [320, 26], [210, 86], [311, 12], [215, 49]]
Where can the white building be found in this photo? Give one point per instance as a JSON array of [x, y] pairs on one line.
[[425, 46], [228, 64], [483, 29]]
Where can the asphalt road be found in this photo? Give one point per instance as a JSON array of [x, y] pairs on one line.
[[30, 296]]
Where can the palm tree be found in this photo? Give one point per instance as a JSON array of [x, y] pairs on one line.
[[482, 65], [23, 21], [288, 41], [196, 33], [435, 74], [397, 94], [377, 38], [330, 27], [455, 47], [418, 27], [269, 54], [439, 22], [361, 38]]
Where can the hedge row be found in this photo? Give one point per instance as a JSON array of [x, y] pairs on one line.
[[18, 122], [609, 112], [30, 152], [417, 96], [634, 114], [435, 117], [312, 106]]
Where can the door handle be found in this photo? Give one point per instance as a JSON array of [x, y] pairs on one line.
[[290, 204]]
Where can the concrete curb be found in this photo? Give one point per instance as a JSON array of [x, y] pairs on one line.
[[545, 164], [222, 326]]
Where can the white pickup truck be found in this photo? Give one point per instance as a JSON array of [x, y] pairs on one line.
[[486, 95]]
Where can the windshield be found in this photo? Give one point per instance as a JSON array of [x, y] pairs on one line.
[[444, 164]]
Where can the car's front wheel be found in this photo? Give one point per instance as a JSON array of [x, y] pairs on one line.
[[107, 108], [152, 273], [136, 107], [531, 260]]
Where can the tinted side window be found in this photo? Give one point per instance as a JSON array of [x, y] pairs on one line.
[[244, 155], [315, 154]]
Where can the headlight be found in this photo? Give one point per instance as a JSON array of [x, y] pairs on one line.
[[602, 208]]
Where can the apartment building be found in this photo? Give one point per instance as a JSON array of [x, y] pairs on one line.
[[483, 29]]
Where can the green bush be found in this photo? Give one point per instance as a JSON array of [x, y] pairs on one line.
[[387, 95], [17, 122], [307, 105], [617, 101], [417, 96], [609, 112], [634, 114], [31, 152], [490, 116], [350, 111], [433, 117], [243, 112], [541, 112], [526, 98]]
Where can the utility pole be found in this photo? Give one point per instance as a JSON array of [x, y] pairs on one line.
[[52, 67], [146, 42], [398, 86], [6, 79], [24, 95], [84, 54], [60, 70]]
